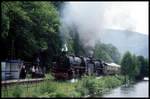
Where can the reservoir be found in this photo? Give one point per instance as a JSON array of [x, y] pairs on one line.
[[139, 89]]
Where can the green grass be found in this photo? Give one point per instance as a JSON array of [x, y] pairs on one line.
[[53, 89]]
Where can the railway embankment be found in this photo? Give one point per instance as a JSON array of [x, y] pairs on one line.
[[85, 87]]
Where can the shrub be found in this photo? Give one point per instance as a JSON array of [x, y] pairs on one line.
[[121, 78], [74, 94], [112, 81], [48, 86], [35, 93], [83, 91], [45, 95], [101, 85], [16, 92], [49, 77], [61, 95]]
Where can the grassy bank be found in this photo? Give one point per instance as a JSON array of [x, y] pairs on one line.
[[88, 85]]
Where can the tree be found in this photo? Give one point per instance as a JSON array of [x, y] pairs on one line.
[[99, 53], [126, 64], [106, 52], [135, 67], [32, 26], [113, 53], [144, 69], [14, 21], [58, 4]]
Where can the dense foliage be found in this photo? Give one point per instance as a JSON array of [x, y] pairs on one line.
[[136, 67], [144, 67], [32, 29], [107, 52]]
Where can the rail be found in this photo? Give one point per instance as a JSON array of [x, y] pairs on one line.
[[7, 83]]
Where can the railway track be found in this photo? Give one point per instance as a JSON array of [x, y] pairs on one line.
[[8, 83]]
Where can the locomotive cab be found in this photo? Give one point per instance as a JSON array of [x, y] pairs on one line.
[[99, 67], [90, 66]]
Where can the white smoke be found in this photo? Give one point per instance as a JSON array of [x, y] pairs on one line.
[[65, 48], [89, 21], [92, 18]]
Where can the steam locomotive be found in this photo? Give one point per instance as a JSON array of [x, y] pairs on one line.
[[70, 66]]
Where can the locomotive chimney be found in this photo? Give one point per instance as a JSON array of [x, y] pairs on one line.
[[64, 48], [91, 53]]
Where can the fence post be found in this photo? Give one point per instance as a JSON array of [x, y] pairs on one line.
[[27, 87]]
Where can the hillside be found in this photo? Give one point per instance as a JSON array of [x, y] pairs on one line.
[[135, 42]]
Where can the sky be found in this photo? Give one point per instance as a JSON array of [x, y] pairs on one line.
[[124, 15]]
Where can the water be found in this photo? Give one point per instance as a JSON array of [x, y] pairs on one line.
[[139, 89]]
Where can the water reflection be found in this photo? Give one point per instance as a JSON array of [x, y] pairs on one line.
[[140, 89], [126, 89]]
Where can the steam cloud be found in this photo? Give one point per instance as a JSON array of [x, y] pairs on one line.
[[91, 19]]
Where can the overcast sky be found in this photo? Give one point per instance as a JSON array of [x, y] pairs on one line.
[[124, 15]]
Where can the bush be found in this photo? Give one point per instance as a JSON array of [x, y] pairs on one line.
[[45, 95], [54, 95], [92, 84], [101, 85], [48, 86], [74, 94], [49, 77], [121, 78], [83, 91], [61, 95], [35, 93], [112, 82], [16, 92]]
